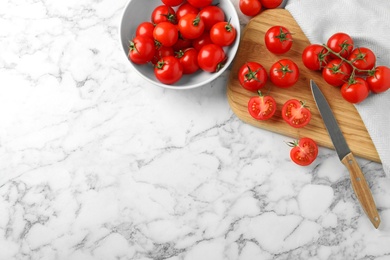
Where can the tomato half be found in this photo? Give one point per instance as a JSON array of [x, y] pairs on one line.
[[261, 107], [379, 79], [295, 113], [336, 72], [355, 90], [278, 39], [304, 151], [284, 73], [315, 57], [252, 76], [340, 43], [250, 7], [211, 58], [168, 70], [223, 33]]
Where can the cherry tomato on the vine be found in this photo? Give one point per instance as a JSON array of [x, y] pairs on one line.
[[284, 73], [211, 58], [168, 70], [336, 72], [189, 60], [191, 26], [163, 13], [166, 33], [379, 79], [200, 3], [362, 58], [250, 7], [355, 90], [295, 113], [252, 76], [261, 107], [315, 57], [141, 49], [223, 33], [340, 43], [304, 151], [211, 15], [278, 39]]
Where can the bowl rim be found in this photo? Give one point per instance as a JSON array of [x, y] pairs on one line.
[[179, 87]]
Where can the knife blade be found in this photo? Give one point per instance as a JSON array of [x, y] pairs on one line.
[[358, 181]]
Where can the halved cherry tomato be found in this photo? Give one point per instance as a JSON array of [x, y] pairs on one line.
[[250, 7], [252, 76], [295, 113], [379, 79], [168, 70], [261, 107], [336, 72], [166, 33], [163, 13], [278, 39], [362, 58], [304, 151], [315, 57], [223, 33], [191, 26], [189, 60], [141, 49], [340, 43], [211, 58], [211, 15], [284, 73], [355, 90]]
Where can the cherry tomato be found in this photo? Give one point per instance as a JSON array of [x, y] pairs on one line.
[[145, 29], [261, 107], [184, 9], [252, 76], [295, 113], [362, 58], [211, 57], [340, 43], [201, 41], [284, 73], [191, 26], [223, 34], [336, 72], [379, 79], [162, 51], [304, 151], [189, 60], [168, 70], [166, 33], [271, 4], [211, 15], [172, 2], [315, 57], [182, 43], [250, 7], [163, 13], [200, 3], [355, 90], [278, 39], [141, 49]]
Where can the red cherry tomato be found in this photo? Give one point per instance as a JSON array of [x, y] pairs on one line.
[[191, 26], [340, 43], [145, 29], [172, 2], [336, 72], [271, 4], [201, 41], [163, 13], [250, 7], [304, 151], [168, 70], [200, 3], [211, 15], [295, 113], [252, 76], [162, 51], [284, 73], [141, 49], [315, 57], [278, 39], [261, 107], [223, 33], [355, 90], [362, 58], [379, 79], [189, 60], [166, 33], [182, 43], [211, 57], [184, 9]]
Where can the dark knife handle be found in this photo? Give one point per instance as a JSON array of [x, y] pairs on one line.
[[361, 188]]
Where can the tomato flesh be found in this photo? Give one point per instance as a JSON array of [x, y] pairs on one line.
[[262, 107], [295, 113], [304, 152]]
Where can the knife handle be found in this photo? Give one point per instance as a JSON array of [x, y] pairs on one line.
[[361, 188]]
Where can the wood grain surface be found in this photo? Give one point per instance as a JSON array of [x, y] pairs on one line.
[[252, 48]]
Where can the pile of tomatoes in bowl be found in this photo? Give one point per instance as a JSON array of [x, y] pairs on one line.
[[180, 44]]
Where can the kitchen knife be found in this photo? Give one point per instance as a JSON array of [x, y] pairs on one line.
[[359, 183]]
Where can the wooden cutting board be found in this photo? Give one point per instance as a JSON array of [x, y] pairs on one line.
[[252, 48]]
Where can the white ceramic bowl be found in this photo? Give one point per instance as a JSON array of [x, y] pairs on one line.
[[137, 11]]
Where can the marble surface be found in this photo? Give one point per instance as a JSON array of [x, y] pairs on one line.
[[97, 164]]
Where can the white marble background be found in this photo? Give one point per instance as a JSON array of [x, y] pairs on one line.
[[97, 164]]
